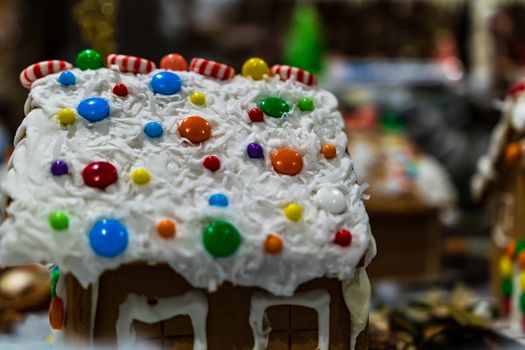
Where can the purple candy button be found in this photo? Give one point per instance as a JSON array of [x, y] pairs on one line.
[[254, 150], [59, 168]]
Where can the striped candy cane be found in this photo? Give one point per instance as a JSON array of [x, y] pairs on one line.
[[289, 72], [131, 64], [40, 70], [212, 69]]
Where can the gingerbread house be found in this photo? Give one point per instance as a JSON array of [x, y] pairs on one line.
[[189, 207]]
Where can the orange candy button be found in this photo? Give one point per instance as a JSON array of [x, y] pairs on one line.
[[195, 129], [521, 260], [513, 153], [56, 313], [273, 244], [174, 62], [287, 161], [329, 151], [166, 229]]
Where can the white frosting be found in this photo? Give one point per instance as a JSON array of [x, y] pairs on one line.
[[136, 307], [319, 300], [180, 186]]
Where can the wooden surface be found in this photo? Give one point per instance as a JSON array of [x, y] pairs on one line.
[[78, 311]]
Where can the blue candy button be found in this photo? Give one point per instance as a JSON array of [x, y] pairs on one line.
[[108, 238], [218, 200], [67, 78], [153, 129], [94, 109], [166, 83]]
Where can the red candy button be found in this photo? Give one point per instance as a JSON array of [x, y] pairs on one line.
[[100, 175], [256, 115], [212, 163], [343, 238], [120, 90]]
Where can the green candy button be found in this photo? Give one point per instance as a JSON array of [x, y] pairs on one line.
[[306, 104], [507, 287], [221, 239], [59, 220], [89, 59], [274, 107]]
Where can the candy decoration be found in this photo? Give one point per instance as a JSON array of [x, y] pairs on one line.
[[67, 78], [153, 129], [293, 212], [505, 266], [100, 175], [511, 249], [166, 83], [218, 200], [212, 69], [212, 163], [274, 106], [287, 161], [59, 168], [108, 238], [221, 239], [131, 64], [255, 68], [195, 129], [521, 260], [520, 246], [513, 153], [343, 238], [517, 89], [89, 59], [93, 109], [507, 287], [506, 306], [59, 221], [331, 199], [166, 229], [56, 313], [293, 73], [141, 176], [306, 104], [254, 150], [198, 98], [174, 62], [522, 280], [273, 244], [120, 90], [66, 116], [55, 276], [39, 70], [329, 151], [256, 115]]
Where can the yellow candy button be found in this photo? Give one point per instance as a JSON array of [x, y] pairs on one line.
[[255, 68], [141, 176], [293, 212], [198, 98], [522, 280], [505, 266], [66, 116]]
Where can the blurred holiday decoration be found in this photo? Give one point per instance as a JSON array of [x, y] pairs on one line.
[[97, 22]]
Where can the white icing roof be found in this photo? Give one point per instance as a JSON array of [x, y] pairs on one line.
[[180, 186]]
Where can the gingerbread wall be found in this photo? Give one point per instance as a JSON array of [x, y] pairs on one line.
[[293, 327]]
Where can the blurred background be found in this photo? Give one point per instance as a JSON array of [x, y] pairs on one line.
[[420, 85]]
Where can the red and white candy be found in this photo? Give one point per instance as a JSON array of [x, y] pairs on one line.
[[212, 69], [40, 70], [289, 72], [131, 64]]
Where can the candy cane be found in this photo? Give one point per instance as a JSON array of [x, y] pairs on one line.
[[40, 70], [289, 72], [212, 69], [131, 64]]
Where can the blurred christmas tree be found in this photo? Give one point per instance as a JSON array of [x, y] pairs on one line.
[[305, 45]]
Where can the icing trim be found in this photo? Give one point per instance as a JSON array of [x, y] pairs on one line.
[[356, 294]]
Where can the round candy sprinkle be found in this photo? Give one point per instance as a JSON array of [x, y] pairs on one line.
[[94, 109], [507, 287], [195, 129], [274, 106], [293, 212], [256, 115], [173, 61], [141, 176], [332, 200], [108, 238], [254, 150], [273, 244], [343, 238], [67, 78], [56, 313], [198, 98], [89, 59], [218, 200], [153, 129], [59, 220], [521, 260], [520, 246], [505, 266], [212, 163], [522, 280], [513, 153], [221, 239], [511, 249], [120, 90], [166, 83], [287, 161], [329, 151], [166, 229], [99, 175], [306, 104], [66, 116], [255, 68], [59, 168]]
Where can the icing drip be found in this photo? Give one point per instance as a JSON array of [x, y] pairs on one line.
[[136, 307], [356, 293], [316, 299]]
